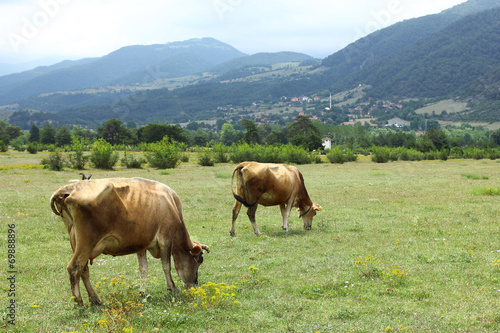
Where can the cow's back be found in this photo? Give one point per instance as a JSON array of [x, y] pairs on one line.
[[267, 184], [148, 199], [128, 213]]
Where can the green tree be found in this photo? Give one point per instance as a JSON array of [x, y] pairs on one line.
[[495, 136], [14, 132], [437, 137], [156, 132], [228, 134], [82, 133], [4, 135], [48, 134], [219, 123], [251, 135], [114, 132], [63, 136], [303, 133], [34, 133]]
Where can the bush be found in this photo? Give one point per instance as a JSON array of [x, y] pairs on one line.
[[102, 155], [32, 147], [494, 154], [415, 155], [3, 147], [443, 154], [243, 152], [55, 161], [270, 154], [76, 159], [220, 153], [132, 163], [294, 154], [339, 155], [474, 153], [456, 152], [164, 154], [205, 158], [381, 154]]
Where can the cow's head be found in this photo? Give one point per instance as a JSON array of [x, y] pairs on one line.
[[308, 214], [188, 265]]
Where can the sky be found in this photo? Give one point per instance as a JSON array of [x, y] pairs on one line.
[[52, 30]]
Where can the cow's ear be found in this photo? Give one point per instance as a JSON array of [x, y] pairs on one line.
[[196, 249], [317, 207]]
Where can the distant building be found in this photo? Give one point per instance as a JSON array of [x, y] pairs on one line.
[[397, 122], [327, 143]]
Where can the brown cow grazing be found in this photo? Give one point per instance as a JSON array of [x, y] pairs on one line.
[[121, 216], [270, 185]]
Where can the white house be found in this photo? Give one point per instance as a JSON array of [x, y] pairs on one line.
[[327, 143]]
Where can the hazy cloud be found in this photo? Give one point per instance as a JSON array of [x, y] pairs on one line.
[[76, 29]]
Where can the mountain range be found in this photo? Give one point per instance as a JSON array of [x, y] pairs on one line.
[[453, 54]]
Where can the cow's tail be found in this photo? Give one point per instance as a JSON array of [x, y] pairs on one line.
[[53, 200], [57, 199], [236, 196]]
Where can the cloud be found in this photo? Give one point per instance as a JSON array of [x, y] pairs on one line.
[[93, 28]]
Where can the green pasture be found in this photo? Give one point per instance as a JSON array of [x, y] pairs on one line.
[[400, 246]]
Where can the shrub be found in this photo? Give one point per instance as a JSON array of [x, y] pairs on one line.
[[3, 147], [220, 153], [339, 155], [443, 154], [164, 154], [415, 155], [76, 159], [493, 153], [270, 154], [55, 161], [456, 152], [474, 153], [132, 163], [205, 157], [242, 152], [295, 154], [19, 143], [381, 154], [32, 147], [102, 155]]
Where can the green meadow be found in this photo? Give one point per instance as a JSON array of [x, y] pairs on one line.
[[399, 246]]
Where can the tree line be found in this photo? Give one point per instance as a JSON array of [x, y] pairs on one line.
[[303, 132]]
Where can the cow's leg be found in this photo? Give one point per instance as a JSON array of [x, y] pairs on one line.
[[285, 214], [143, 270], [93, 298], [75, 268], [165, 263], [251, 215], [236, 211]]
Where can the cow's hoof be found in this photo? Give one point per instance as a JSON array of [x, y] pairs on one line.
[[94, 302]]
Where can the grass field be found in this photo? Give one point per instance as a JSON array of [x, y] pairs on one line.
[[411, 246]]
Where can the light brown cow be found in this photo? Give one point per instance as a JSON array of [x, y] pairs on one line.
[[270, 185], [120, 216]]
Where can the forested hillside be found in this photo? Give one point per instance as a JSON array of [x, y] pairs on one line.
[[383, 43], [130, 64], [440, 64], [451, 55]]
